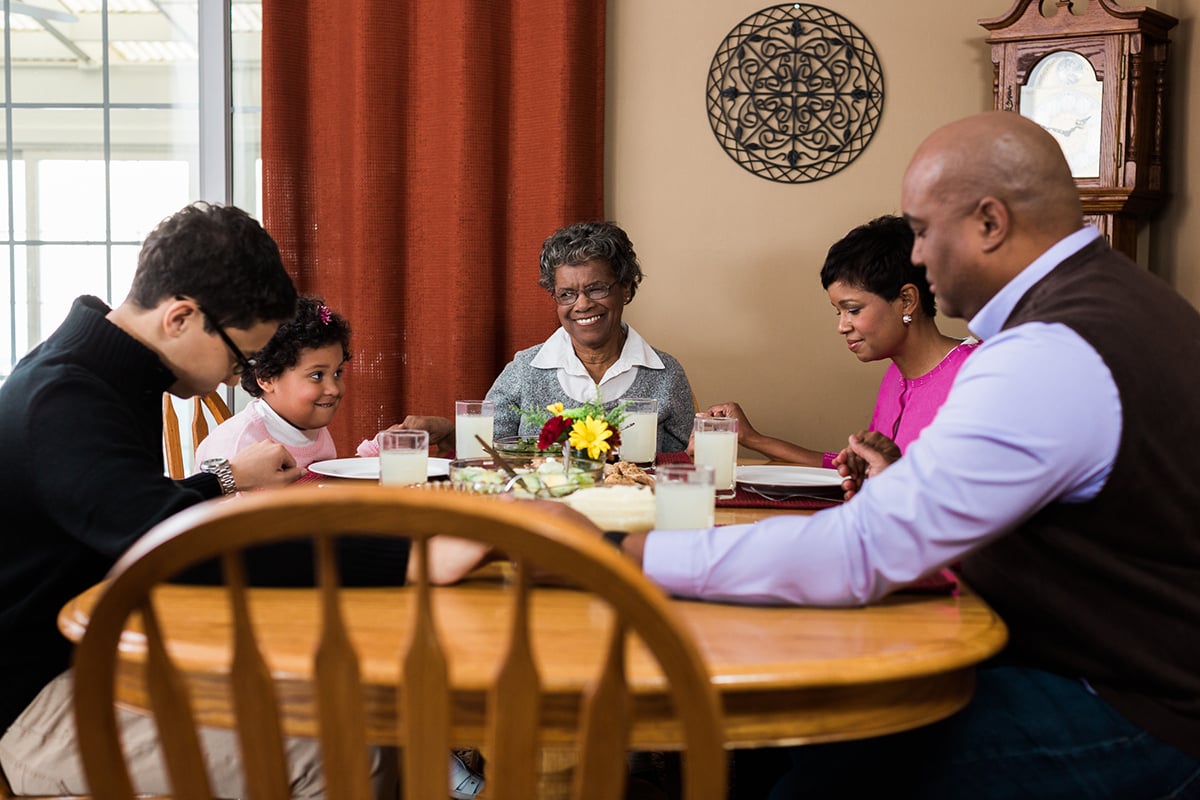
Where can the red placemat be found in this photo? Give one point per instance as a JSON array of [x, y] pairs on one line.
[[744, 499], [941, 582], [309, 477]]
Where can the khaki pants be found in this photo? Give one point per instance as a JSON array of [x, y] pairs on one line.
[[39, 754]]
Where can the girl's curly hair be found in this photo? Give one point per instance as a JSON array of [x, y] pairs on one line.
[[313, 327]]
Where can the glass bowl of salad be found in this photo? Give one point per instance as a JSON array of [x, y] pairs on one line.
[[536, 476], [522, 449]]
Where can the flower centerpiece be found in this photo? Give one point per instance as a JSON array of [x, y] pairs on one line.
[[588, 428]]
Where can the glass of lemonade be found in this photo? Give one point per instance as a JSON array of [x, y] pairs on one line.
[[403, 457], [639, 433], [683, 497], [716, 441], [472, 418]]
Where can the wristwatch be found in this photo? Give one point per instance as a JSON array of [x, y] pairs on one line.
[[615, 538], [220, 467]]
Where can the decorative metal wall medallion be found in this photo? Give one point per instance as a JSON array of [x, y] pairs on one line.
[[795, 93]]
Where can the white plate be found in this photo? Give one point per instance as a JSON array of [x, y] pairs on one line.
[[778, 477], [368, 468]]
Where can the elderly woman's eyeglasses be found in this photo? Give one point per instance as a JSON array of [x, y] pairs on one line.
[[243, 364], [598, 291]]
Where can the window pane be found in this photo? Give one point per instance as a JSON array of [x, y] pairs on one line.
[[153, 54], [14, 339], [59, 274], [5, 229], [170, 133], [58, 132], [71, 201], [247, 105], [143, 193], [47, 69], [124, 264]]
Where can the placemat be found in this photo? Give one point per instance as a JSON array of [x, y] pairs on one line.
[[309, 477], [941, 582], [744, 499]]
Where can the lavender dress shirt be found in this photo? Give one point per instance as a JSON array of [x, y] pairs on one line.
[[1033, 416]]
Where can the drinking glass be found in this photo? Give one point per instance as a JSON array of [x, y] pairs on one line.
[[472, 418], [639, 433], [403, 457], [717, 446], [683, 497]]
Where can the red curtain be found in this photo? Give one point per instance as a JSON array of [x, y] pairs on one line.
[[415, 155]]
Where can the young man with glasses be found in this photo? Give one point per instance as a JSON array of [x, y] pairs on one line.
[[82, 475]]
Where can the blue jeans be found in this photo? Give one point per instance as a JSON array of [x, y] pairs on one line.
[[1026, 734]]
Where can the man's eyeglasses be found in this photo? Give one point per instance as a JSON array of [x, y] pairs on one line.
[[599, 291], [243, 364]]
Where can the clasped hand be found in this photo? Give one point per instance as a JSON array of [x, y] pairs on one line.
[[867, 454]]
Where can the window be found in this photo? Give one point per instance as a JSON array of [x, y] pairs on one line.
[[115, 115]]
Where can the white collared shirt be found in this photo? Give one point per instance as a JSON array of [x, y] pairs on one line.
[[558, 354]]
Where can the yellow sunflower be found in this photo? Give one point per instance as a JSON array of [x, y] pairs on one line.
[[590, 434]]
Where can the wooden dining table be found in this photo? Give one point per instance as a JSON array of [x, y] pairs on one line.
[[784, 675]]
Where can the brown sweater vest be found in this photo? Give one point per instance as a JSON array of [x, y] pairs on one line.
[[1109, 590]]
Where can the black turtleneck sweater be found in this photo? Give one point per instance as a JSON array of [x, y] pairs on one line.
[[81, 479]]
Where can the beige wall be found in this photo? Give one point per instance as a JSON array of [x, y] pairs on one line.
[[733, 260]]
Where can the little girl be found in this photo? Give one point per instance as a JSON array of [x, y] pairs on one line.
[[297, 386]]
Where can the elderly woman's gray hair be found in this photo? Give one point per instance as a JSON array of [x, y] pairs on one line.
[[587, 241]]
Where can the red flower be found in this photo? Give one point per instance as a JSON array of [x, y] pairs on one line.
[[553, 432]]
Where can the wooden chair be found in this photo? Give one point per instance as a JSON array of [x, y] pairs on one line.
[[172, 442], [426, 696]]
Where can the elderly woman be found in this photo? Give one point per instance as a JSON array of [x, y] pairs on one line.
[[592, 273], [885, 309]]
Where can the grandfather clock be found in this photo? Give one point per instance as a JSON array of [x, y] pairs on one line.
[[1096, 80]]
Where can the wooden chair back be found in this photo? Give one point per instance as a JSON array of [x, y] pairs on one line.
[[173, 442], [426, 697]]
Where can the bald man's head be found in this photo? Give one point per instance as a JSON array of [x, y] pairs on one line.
[[1009, 157], [985, 196]]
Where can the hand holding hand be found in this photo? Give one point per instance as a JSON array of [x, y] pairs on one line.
[[440, 429], [451, 559], [867, 454], [441, 434], [746, 431], [265, 463]]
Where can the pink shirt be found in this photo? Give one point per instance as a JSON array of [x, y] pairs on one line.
[[258, 422], [904, 408]]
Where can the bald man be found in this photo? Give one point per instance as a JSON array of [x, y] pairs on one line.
[[1060, 471]]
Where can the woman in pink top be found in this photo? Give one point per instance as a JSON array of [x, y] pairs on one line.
[[297, 387], [885, 309]]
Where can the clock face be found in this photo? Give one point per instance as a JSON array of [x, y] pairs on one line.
[[1064, 97]]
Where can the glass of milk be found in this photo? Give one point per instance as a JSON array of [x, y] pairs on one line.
[[403, 457], [472, 418], [683, 497], [639, 431], [716, 443]]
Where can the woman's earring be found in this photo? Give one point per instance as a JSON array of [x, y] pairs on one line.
[[906, 319]]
